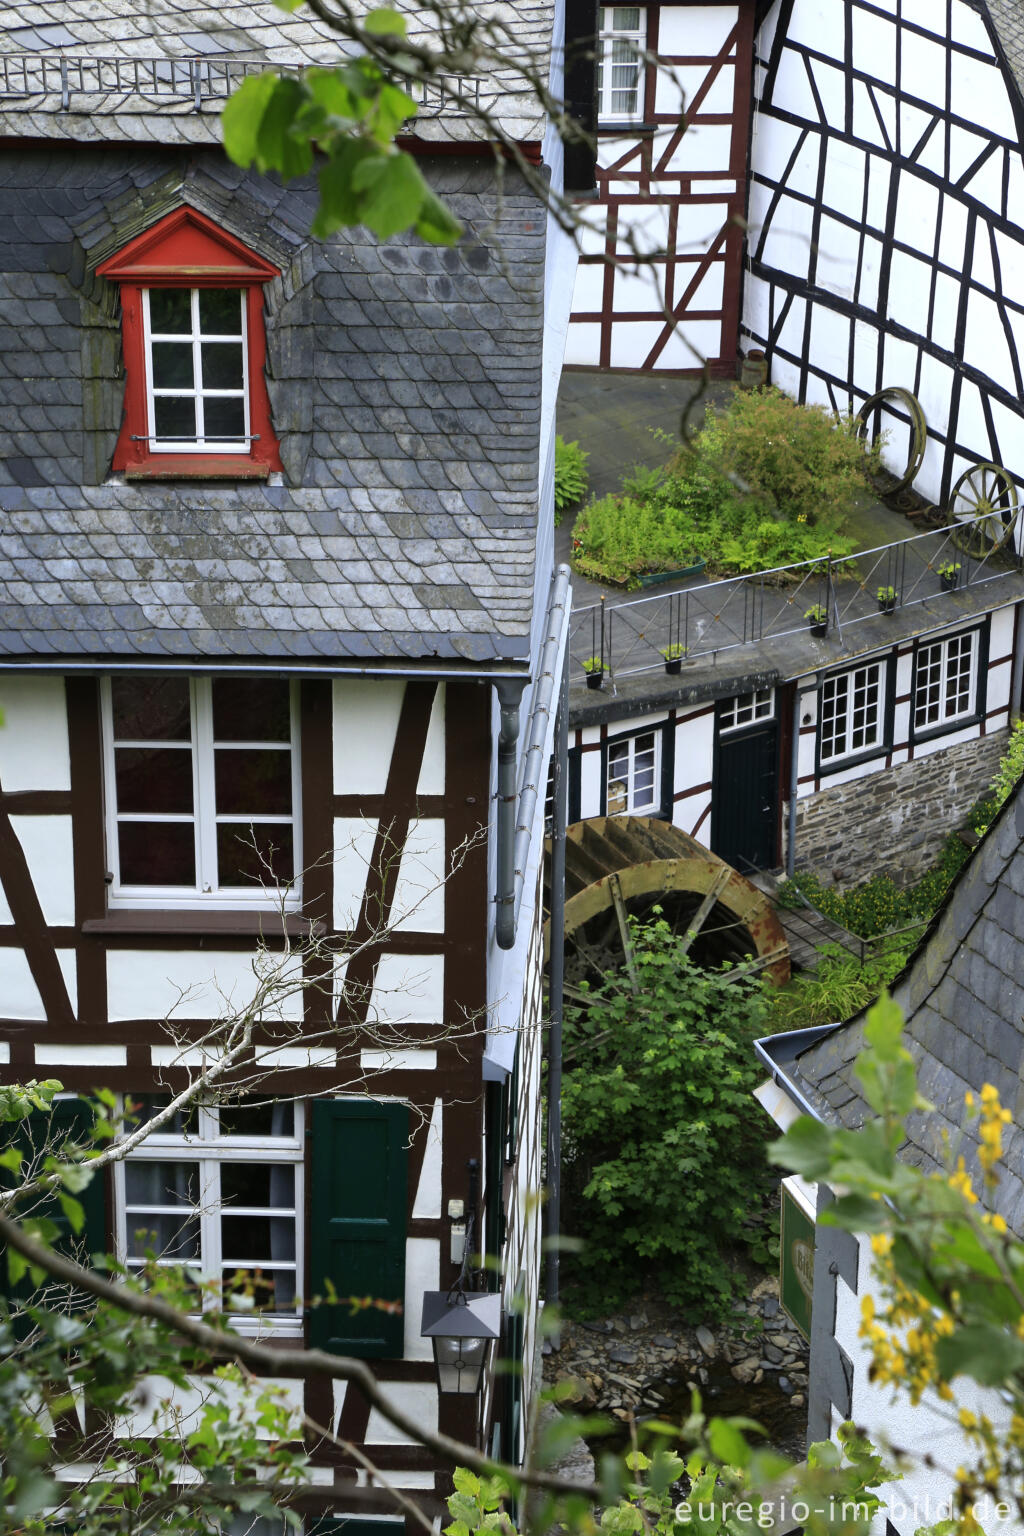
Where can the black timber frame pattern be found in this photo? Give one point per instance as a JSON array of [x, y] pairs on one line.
[[880, 108]]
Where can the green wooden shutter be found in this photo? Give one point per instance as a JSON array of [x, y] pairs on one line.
[[359, 1176], [68, 1118]]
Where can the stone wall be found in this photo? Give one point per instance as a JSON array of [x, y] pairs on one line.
[[893, 821]]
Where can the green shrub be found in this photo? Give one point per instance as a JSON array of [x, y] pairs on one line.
[[570, 475], [763, 486], [664, 1152], [842, 985]]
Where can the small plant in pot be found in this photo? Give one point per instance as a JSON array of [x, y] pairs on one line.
[[673, 655], [817, 619], [594, 668], [949, 574], [886, 599]]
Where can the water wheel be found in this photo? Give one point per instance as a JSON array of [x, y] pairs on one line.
[[619, 865], [907, 407], [982, 510]]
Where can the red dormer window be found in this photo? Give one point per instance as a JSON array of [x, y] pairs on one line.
[[196, 399]]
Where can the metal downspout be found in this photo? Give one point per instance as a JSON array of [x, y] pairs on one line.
[[555, 976], [794, 783], [515, 828]]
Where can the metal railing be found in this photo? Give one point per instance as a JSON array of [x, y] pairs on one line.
[[705, 619], [194, 80]]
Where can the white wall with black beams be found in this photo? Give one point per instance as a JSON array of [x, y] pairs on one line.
[[885, 246]]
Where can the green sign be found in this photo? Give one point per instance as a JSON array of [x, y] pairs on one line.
[[796, 1262]]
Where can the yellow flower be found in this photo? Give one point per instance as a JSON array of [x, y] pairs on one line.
[[881, 1244]]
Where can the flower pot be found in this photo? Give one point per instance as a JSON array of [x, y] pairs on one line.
[[594, 679], [888, 606], [818, 628], [673, 664], [949, 582]]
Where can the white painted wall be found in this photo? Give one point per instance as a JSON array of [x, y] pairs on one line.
[[34, 750]]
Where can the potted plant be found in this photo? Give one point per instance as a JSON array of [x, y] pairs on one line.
[[594, 668], [949, 574], [817, 618], [886, 599], [673, 655]]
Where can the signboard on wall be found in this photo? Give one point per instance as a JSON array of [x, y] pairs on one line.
[[796, 1259]]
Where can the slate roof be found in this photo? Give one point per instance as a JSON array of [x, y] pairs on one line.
[[405, 385], [149, 33], [1007, 19], [963, 1000]]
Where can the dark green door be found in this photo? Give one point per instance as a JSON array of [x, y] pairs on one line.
[[745, 798]]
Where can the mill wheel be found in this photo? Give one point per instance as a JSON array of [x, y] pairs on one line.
[[918, 431], [982, 509]]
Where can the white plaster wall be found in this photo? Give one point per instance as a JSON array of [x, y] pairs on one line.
[[422, 1273], [694, 752], [408, 989], [924, 1430], [196, 984], [34, 750], [365, 723], [417, 1399], [19, 995], [49, 852]]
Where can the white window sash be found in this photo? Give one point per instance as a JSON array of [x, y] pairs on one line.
[[939, 656], [606, 110], [849, 695], [197, 393], [209, 1149], [761, 708], [217, 897], [628, 775]]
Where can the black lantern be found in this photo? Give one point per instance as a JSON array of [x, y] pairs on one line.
[[460, 1325]]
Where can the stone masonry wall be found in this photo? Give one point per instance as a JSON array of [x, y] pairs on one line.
[[893, 821]]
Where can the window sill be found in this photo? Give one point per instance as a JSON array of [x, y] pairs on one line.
[[187, 466], [247, 924], [627, 125]]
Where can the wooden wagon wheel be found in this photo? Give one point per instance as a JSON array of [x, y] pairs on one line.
[[918, 430], [982, 510]]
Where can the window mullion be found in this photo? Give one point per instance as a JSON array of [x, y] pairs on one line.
[[197, 368], [203, 778], [209, 1222]]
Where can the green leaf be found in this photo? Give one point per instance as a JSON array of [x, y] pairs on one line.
[[243, 114], [883, 1029], [987, 1354], [466, 1482], [806, 1148], [728, 1443], [72, 1209], [384, 23], [437, 223], [394, 191], [339, 202], [277, 147]]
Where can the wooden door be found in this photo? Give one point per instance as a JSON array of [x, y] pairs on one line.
[[745, 798]]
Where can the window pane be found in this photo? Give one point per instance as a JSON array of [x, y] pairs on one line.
[[269, 862], [256, 782], [157, 852], [251, 710], [181, 1123], [224, 418], [257, 1119], [167, 1235], [161, 1183], [172, 365], [220, 311], [626, 18], [270, 1185], [151, 709], [272, 1290], [153, 778], [174, 417], [170, 311], [222, 365], [257, 1239]]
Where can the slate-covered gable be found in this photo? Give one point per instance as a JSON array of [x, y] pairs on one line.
[[405, 389], [963, 999]]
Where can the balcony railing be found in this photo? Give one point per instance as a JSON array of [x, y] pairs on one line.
[[708, 618], [196, 81]]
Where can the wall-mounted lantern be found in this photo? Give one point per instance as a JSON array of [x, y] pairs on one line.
[[460, 1325]]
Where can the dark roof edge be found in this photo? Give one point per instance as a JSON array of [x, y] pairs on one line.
[[200, 665], [779, 1052]]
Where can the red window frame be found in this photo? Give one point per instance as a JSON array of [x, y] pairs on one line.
[[187, 250]]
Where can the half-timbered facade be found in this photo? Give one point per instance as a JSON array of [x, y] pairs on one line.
[[672, 143], [277, 572], [885, 241], [790, 750]]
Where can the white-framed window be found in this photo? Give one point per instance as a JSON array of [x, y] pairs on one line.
[[945, 681], [746, 709], [197, 369], [218, 1191], [633, 779], [202, 791], [622, 31], [852, 712]]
